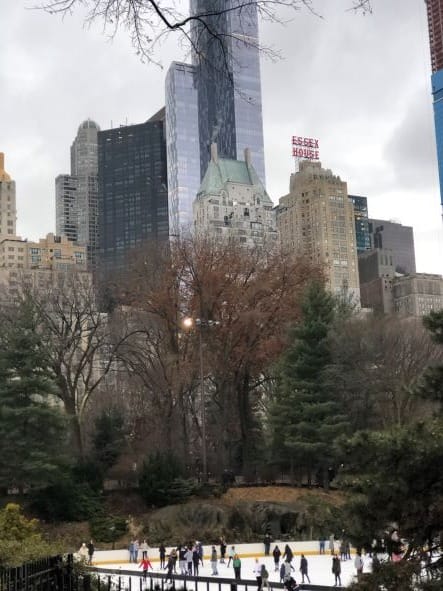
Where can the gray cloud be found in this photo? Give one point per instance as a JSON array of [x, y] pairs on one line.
[[359, 84]]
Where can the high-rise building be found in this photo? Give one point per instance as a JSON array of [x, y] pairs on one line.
[[418, 295], [435, 25], [66, 208], [233, 203], [228, 80], [182, 145], [376, 270], [361, 222], [76, 194], [133, 192], [216, 100], [396, 237], [316, 219], [8, 210]]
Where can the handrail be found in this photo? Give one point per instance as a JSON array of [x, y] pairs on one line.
[[190, 581]]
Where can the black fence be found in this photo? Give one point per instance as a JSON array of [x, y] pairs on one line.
[[55, 573], [107, 579]]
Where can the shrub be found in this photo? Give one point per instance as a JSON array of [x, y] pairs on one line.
[[161, 481], [107, 529]]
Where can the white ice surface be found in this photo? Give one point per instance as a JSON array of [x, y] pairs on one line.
[[319, 570]]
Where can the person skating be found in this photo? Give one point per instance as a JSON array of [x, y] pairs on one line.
[[91, 551], [287, 554], [214, 561], [267, 543], [236, 563], [222, 550], [257, 572], [358, 563], [83, 552], [182, 559], [189, 561], [231, 554], [170, 568], [174, 560], [144, 548], [304, 569], [336, 570], [162, 552], [264, 577], [195, 560], [200, 551], [276, 553], [145, 565]]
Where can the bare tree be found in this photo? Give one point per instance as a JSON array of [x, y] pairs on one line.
[[377, 362], [148, 22], [241, 302], [80, 342]]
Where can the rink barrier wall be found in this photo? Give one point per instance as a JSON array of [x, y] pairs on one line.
[[121, 556]]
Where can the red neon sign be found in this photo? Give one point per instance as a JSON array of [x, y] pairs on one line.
[[305, 147]]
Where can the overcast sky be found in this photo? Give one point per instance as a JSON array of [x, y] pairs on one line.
[[361, 84]]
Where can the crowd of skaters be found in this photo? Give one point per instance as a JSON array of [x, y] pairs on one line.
[[186, 559]]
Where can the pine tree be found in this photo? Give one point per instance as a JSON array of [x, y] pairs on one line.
[[432, 383], [32, 429], [306, 418]]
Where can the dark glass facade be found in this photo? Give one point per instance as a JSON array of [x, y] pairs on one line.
[[399, 239], [361, 222], [133, 194]]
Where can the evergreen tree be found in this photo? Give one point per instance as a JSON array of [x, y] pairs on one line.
[[432, 384], [305, 417], [32, 429], [109, 437]]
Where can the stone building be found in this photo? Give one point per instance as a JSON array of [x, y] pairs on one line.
[[418, 295], [233, 203], [316, 219], [8, 210]]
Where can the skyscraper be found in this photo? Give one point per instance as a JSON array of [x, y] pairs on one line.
[[435, 25], [316, 219], [223, 93], [182, 144], [397, 238], [76, 194], [361, 223], [133, 193], [8, 210]]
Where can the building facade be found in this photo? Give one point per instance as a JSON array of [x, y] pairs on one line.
[[435, 26], [232, 203], [216, 99], [361, 222], [133, 193], [393, 236], [182, 145], [76, 194], [376, 273], [8, 209], [316, 219], [418, 295]]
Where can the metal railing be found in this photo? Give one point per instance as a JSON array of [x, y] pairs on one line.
[[122, 580], [52, 573]]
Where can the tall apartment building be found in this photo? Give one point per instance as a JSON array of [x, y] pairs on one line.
[[182, 145], [435, 26], [216, 99], [396, 237], [133, 192], [76, 194], [233, 203], [316, 219], [361, 222], [8, 210]]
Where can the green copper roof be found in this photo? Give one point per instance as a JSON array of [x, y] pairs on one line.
[[229, 171]]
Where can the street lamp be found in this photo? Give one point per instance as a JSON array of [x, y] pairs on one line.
[[188, 323]]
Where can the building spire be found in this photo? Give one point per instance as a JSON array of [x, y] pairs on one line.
[[4, 176]]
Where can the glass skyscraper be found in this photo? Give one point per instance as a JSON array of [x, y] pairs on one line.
[[182, 145], [133, 193], [361, 222], [217, 99], [435, 24]]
